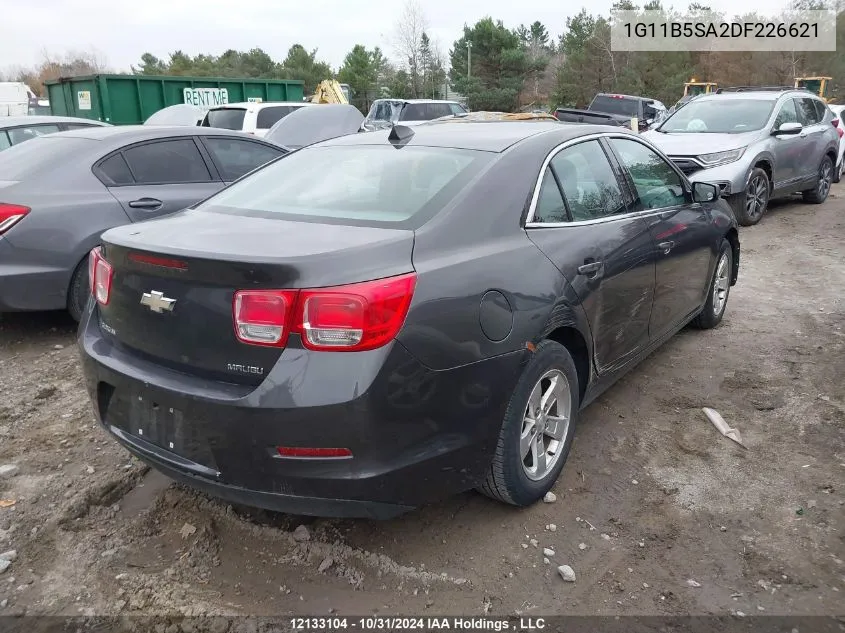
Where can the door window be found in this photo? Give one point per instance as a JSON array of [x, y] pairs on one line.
[[550, 206], [21, 134], [4, 140], [788, 114], [808, 111], [236, 157], [588, 182], [163, 162], [656, 184]]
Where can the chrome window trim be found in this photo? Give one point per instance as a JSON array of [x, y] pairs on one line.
[[529, 220]]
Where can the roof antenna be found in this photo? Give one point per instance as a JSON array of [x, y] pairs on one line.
[[400, 134]]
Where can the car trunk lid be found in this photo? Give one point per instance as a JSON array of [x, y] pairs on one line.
[[174, 281]]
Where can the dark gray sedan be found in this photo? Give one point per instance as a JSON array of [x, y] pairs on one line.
[[378, 320], [59, 192]]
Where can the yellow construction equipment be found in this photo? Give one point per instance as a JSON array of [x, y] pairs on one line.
[[329, 91], [820, 86], [693, 88]]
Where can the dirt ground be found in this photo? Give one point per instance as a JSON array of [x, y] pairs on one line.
[[656, 512]]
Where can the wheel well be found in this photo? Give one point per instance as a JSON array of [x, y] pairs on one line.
[[766, 167], [572, 340], [833, 157], [733, 239]]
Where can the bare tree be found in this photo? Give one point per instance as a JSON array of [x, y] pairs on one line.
[[407, 39]]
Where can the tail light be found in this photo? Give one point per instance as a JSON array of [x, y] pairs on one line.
[[354, 317], [835, 123], [100, 274], [263, 317], [11, 214]]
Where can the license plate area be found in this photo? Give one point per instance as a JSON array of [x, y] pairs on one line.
[[150, 417]]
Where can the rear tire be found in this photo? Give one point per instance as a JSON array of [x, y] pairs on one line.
[[718, 290], [750, 205], [819, 193], [78, 291], [523, 469]]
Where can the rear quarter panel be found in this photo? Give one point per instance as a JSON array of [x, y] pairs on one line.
[[476, 245]]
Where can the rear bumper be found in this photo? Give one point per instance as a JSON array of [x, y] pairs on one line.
[[24, 287], [416, 435]]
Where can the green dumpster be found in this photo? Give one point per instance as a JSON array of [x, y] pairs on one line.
[[131, 99]]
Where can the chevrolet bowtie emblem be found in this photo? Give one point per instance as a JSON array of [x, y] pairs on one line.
[[157, 302]]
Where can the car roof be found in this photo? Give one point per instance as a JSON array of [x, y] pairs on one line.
[[760, 95], [35, 119], [130, 133], [260, 104], [488, 136], [418, 100]]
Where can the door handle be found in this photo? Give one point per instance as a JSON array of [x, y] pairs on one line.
[[145, 203], [589, 268], [666, 247]]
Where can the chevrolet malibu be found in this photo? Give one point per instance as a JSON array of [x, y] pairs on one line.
[[427, 315]]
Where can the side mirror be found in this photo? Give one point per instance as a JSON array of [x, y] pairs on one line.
[[704, 192], [793, 127]]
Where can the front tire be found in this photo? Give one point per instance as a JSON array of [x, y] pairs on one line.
[[538, 428], [78, 291], [818, 194], [718, 290], [750, 205]]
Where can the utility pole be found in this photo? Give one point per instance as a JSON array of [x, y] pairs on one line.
[[469, 68]]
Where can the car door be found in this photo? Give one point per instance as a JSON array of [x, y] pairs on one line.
[[235, 157], [786, 147], [681, 230], [166, 176], [812, 137], [581, 220]]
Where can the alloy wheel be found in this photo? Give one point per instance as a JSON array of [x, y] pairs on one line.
[[721, 284], [756, 196], [545, 424]]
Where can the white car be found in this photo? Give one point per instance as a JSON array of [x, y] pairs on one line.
[[839, 113], [251, 117]]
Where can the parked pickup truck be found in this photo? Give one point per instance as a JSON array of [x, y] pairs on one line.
[[612, 109]]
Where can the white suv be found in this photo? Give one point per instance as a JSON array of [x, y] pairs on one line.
[[253, 118]]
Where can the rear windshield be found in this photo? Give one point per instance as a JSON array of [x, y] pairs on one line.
[[268, 117], [226, 118], [616, 105], [20, 161], [424, 111], [365, 185]]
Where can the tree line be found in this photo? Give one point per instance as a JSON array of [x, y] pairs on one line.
[[495, 66]]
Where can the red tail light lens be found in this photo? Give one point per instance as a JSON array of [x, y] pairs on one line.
[[11, 214], [835, 123], [348, 318], [100, 274], [295, 451], [262, 317], [355, 317]]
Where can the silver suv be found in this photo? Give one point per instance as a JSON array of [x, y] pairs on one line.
[[754, 144]]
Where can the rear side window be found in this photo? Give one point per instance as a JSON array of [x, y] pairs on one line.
[[225, 118], [115, 171], [268, 117], [4, 140], [424, 111], [808, 111], [21, 134], [366, 185], [236, 157], [165, 162], [588, 182], [550, 206]]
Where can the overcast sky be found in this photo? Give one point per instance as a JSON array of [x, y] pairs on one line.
[[120, 31]]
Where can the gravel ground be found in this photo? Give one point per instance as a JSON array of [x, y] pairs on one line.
[[656, 513]]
